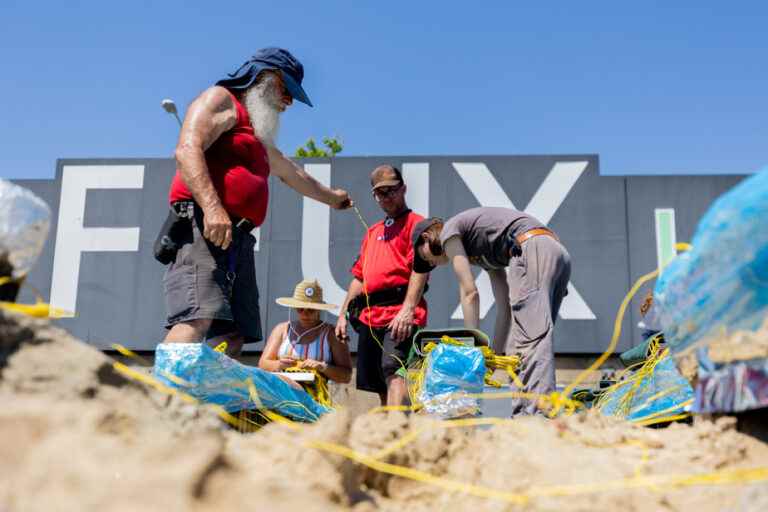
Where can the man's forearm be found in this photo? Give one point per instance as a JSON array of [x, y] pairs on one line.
[[503, 309], [355, 289], [500, 331], [470, 307], [416, 285], [295, 177], [194, 173]]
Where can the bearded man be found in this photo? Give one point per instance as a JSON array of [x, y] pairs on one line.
[[225, 154]]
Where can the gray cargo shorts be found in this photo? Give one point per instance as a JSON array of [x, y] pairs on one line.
[[207, 282]]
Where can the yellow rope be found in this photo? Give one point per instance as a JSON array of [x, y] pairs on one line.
[[40, 309], [411, 436], [638, 481], [317, 388]]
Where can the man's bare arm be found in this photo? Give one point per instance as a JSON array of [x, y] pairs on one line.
[[355, 289], [402, 324], [211, 114], [503, 311], [470, 298], [296, 178]]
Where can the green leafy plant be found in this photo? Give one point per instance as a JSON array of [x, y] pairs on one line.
[[310, 149]]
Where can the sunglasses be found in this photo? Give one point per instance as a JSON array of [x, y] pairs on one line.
[[386, 191], [305, 310]]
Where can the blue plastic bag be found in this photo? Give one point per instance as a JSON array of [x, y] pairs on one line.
[[718, 287], [213, 377], [451, 373], [723, 281], [663, 393]]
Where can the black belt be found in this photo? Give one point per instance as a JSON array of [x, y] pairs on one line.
[[388, 297], [182, 209]]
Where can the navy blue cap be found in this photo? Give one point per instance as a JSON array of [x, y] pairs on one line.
[[270, 58]]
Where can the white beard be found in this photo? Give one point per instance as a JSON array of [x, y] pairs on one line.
[[261, 101]]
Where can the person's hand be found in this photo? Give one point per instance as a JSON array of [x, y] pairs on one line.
[[285, 362], [217, 226], [401, 325], [341, 199], [312, 364], [341, 328]]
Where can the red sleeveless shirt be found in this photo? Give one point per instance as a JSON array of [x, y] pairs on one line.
[[239, 168]]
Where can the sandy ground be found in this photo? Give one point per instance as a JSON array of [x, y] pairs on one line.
[[76, 435]]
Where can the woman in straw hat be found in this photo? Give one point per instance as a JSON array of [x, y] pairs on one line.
[[307, 342]]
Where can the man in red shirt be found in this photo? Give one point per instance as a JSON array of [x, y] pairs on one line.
[[386, 292], [225, 154]]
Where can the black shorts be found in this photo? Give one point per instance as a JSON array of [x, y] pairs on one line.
[[373, 368], [207, 282]]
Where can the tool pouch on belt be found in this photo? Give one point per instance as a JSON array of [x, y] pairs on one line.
[[176, 230], [388, 297]]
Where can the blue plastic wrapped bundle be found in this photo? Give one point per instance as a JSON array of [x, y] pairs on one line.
[[213, 377], [719, 286], [723, 281], [451, 373], [659, 394]]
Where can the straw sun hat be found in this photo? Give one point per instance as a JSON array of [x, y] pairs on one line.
[[308, 295]]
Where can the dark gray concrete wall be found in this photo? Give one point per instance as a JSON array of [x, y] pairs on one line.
[[107, 213]]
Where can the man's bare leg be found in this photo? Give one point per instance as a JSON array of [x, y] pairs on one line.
[[397, 391], [192, 331]]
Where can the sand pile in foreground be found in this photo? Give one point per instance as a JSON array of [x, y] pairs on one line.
[[76, 435]]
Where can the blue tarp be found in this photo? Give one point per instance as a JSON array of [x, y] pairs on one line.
[[215, 378]]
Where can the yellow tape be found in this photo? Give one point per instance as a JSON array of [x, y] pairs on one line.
[[442, 425], [638, 481], [38, 310], [129, 353], [665, 419], [414, 474]]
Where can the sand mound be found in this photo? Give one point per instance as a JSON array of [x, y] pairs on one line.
[[76, 435]]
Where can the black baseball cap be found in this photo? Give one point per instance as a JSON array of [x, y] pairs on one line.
[[420, 265]]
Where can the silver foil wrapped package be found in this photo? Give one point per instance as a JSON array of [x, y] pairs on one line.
[[24, 223]]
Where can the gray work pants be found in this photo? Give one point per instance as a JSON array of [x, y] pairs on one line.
[[538, 282]]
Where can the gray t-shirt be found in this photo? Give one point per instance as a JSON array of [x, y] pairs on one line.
[[484, 233]]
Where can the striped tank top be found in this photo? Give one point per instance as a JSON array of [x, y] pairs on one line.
[[318, 348]]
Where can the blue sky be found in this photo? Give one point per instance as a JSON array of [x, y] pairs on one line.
[[649, 86]]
